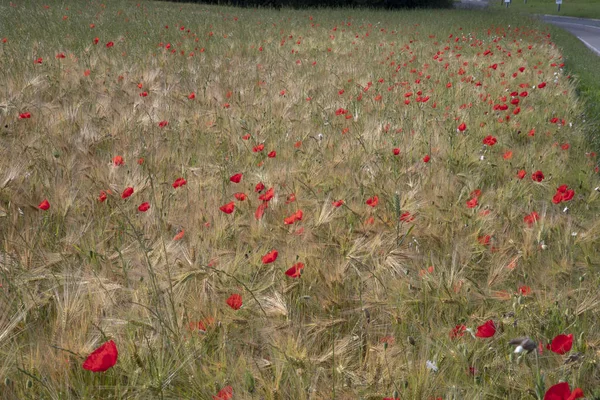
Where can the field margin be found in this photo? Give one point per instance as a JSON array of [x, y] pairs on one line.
[[583, 66]]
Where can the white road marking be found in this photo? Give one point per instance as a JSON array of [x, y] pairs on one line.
[[564, 16], [578, 25], [595, 50]]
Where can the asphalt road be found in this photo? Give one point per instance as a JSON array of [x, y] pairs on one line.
[[471, 4], [587, 30]]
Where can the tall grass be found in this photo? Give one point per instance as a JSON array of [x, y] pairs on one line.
[[380, 291]]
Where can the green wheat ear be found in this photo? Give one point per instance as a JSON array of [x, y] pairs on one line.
[[249, 382]]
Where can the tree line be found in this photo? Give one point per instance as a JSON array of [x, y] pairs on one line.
[[278, 4]]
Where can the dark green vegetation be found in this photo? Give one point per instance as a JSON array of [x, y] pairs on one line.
[[389, 4]]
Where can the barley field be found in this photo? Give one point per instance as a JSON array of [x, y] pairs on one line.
[[208, 202]]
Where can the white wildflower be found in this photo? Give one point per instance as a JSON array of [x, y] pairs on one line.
[[431, 366]]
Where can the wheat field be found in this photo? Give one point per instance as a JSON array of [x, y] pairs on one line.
[[294, 204]]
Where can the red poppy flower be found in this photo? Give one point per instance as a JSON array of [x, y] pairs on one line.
[[562, 391], [240, 196], [224, 394], [524, 290], [179, 235], [235, 301], [291, 198], [140, 161], [38, 60], [258, 148], [260, 210], [145, 206], [44, 205], [236, 178], [557, 198], [338, 203], [426, 158], [484, 240], [103, 358], [272, 154], [162, 124], [102, 196], [259, 187], [228, 208], [96, 40], [457, 331], [561, 344], [295, 271], [118, 160], [537, 176], [25, 115], [60, 55], [110, 44], [179, 182], [489, 140], [127, 192], [297, 216], [507, 155], [521, 174], [462, 127], [568, 195], [270, 257], [407, 217], [192, 96], [488, 329], [530, 219], [541, 85], [144, 94], [396, 151], [372, 201], [268, 195], [472, 203]]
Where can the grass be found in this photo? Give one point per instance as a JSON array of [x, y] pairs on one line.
[[584, 66], [380, 292], [570, 8]]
